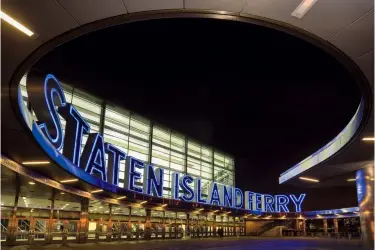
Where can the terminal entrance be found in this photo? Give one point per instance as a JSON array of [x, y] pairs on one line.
[[38, 214]]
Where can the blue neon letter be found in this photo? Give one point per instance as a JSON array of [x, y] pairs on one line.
[[281, 202], [238, 198], [44, 103], [152, 184], [227, 196], [297, 202], [267, 203], [188, 191], [175, 185], [214, 195], [249, 198], [132, 175], [198, 190], [75, 128], [115, 155], [93, 156]]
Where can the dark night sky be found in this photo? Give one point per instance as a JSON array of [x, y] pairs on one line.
[[266, 97]]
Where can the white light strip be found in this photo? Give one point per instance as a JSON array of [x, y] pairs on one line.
[[70, 180], [309, 179], [350, 179], [368, 139], [96, 191], [15, 24], [35, 162], [303, 7]]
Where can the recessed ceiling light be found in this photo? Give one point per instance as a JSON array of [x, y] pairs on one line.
[[351, 179], [35, 162], [121, 198], [15, 24], [143, 202], [69, 180], [62, 193], [303, 7], [31, 183], [164, 205], [96, 191], [215, 211], [309, 179], [368, 139]]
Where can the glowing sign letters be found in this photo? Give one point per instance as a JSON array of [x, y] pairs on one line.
[[102, 160]]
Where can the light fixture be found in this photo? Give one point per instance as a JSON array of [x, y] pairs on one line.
[[96, 191], [229, 212], [319, 216], [368, 139], [143, 202], [69, 180], [215, 211], [164, 205], [351, 179], [201, 209], [31, 183], [62, 193], [35, 162], [308, 179], [303, 7], [15, 24], [121, 198]]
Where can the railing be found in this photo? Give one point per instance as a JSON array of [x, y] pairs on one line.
[[3, 228], [269, 226], [329, 149], [24, 223], [40, 227]]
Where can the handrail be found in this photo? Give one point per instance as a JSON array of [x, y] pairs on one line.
[[329, 149]]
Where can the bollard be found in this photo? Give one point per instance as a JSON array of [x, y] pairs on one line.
[[30, 237], [65, 238]]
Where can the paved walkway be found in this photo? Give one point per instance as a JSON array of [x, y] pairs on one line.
[[242, 243]]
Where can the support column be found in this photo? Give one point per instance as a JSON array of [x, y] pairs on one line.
[[129, 232], [187, 224], [214, 225], [325, 226], [234, 227], [336, 226], [83, 221], [365, 194], [109, 226], [147, 234], [13, 224], [304, 227], [50, 221], [222, 225], [163, 226], [175, 226]]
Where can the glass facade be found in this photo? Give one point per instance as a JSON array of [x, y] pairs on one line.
[[149, 142]]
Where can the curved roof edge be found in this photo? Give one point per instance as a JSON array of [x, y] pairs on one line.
[[333, 147]]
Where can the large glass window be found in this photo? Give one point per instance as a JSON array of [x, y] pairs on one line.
[[168, 152], [131, 133]]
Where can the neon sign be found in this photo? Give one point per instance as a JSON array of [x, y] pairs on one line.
[[99, 162]]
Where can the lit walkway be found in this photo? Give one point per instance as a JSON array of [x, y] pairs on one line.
[[243, 243]]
